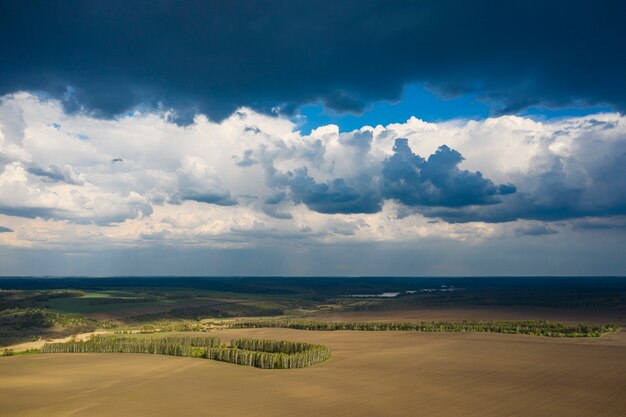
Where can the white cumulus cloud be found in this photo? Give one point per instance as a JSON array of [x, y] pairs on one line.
[[254, 178]]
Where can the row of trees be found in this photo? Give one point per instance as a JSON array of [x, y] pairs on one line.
[[267, 354], [271, 346], [531, 327], [270, 354], [175, 346]]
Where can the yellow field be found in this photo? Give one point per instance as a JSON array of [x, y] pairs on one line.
[[370, 374]]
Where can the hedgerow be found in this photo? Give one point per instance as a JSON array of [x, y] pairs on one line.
[[267, 354], [530, 327], [270, 354], [175, 346]]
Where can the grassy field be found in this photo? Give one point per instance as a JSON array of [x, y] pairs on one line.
[[370, 374]]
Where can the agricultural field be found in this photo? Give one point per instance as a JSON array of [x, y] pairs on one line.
[[369, 374], [121, 348]]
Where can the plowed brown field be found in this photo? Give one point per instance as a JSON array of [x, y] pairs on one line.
[[382, 374]]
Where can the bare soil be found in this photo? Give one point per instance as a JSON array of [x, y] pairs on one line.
[[370, 374]]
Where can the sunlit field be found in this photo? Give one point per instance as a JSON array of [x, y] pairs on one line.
[[158, 347], [369, 374]]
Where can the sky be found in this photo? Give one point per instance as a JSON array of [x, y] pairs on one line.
[[404, 138]]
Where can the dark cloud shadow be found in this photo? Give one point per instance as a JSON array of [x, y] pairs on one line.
[[212, 57]]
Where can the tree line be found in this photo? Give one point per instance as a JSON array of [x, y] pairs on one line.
[[530, 327], [267, 354], [270, 354], [174, 346], [271, 346]]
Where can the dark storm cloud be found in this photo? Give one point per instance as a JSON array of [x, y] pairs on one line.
[[563, 188], [588, 183], [437, 181], [405, 177], [213, 56], [334, 196]]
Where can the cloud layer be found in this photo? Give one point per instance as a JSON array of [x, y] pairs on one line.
[[71, 179], [214, 57]]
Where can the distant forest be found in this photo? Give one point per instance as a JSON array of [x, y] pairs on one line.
[[523, 291]]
